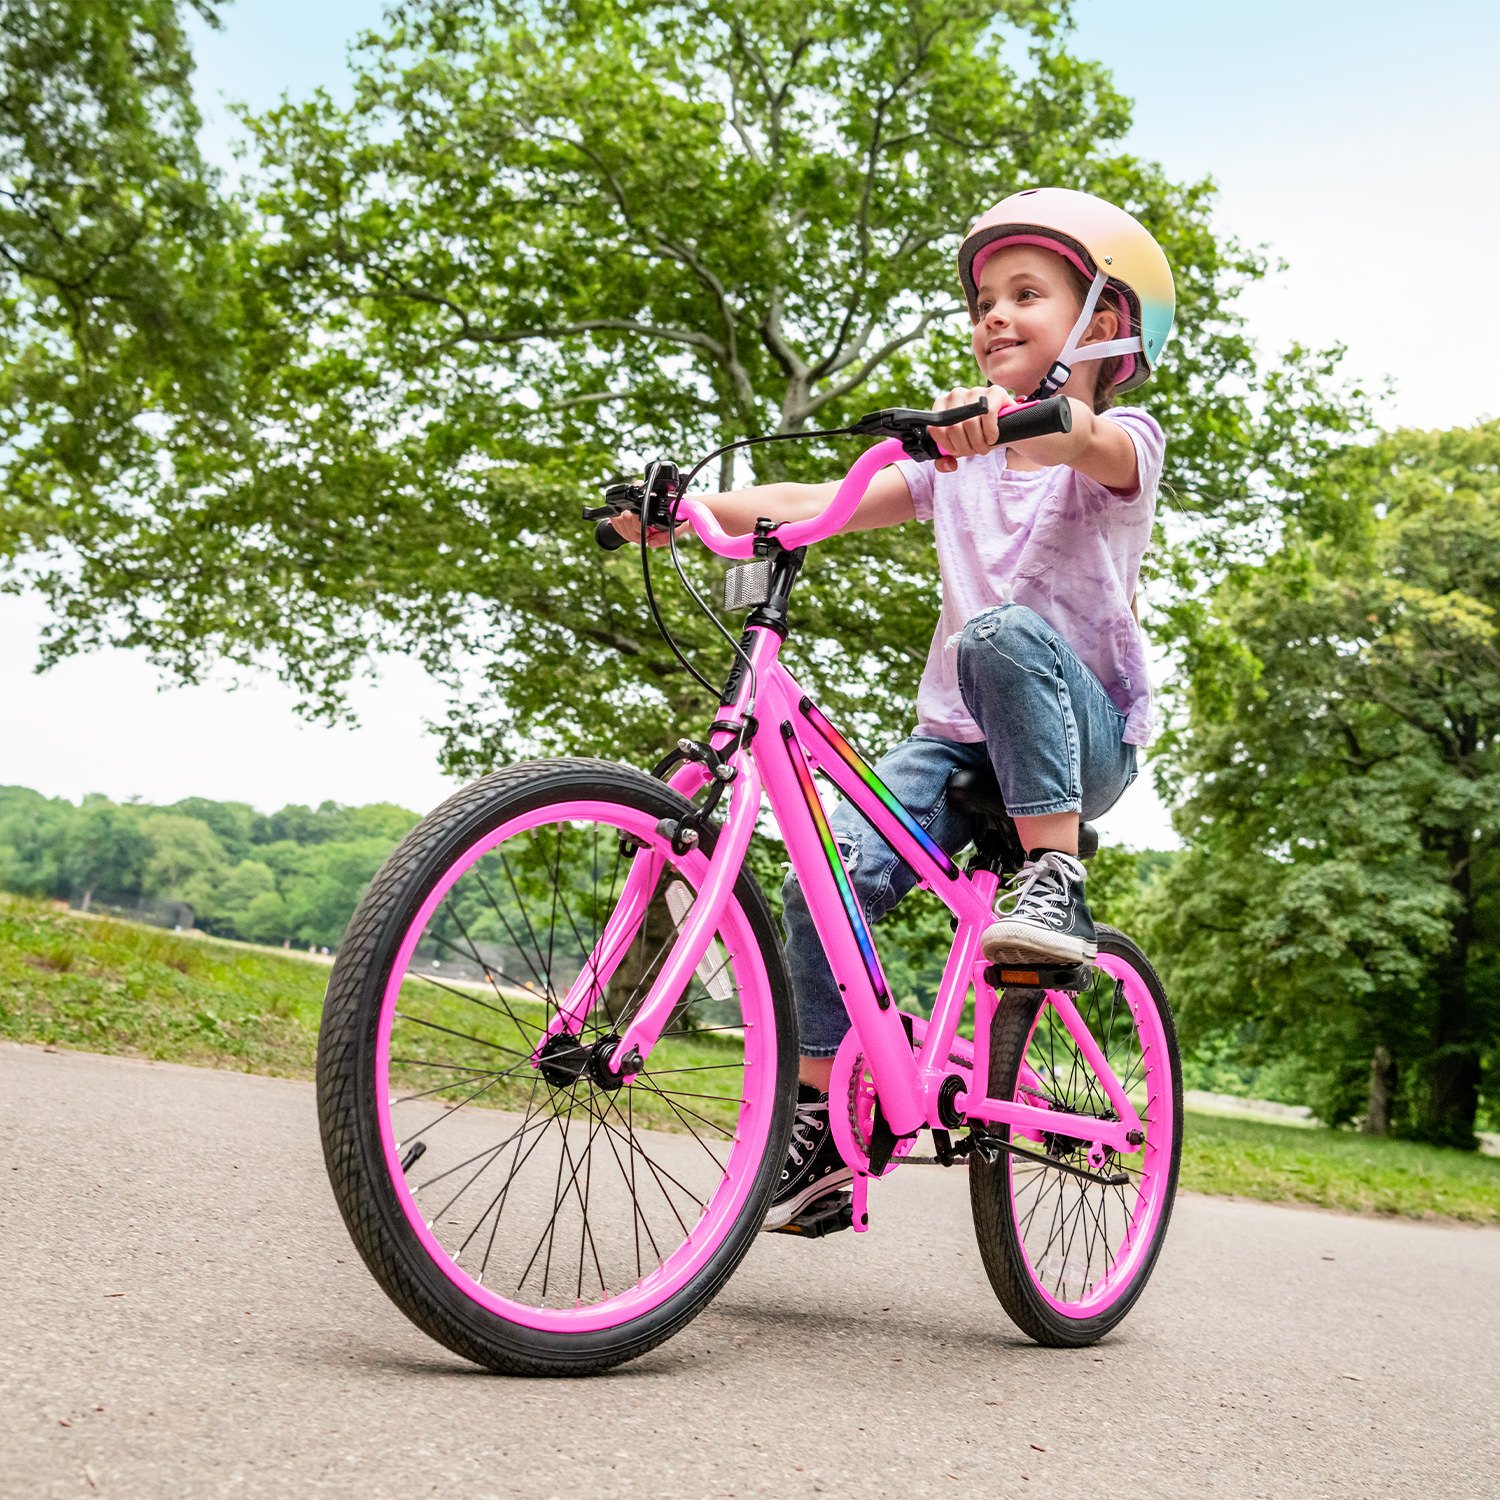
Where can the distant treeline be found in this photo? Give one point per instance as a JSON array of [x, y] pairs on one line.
[[289, 876]]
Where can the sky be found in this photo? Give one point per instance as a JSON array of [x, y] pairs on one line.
[[1360, 144]]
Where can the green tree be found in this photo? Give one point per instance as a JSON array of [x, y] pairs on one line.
[[265, 919], [1340, 780], [186, 861], [107, 850], [546, 239], [34, 836], [233, 822], [234, 897], [321, 885], [117, 364]]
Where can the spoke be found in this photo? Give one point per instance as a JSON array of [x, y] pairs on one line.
[[468, 996], [700, 1068], [510, 931], [517, 1162], [655, 1168], [1057, 1224], [1038, 1178], [448, 1113], [427, 1093], [568, 910], [638, 1216], [459, 1166], [648, 972], [682, 1110], [556, 881], [425, 1062], [544, 980], [504, 1003], [1073, 1221], [402, 1015], [587, 1233], [614, 875], [550, 1229], [490, 1153], [683, 1093]]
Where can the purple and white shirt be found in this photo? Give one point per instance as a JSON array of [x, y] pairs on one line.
[[1054, 540]]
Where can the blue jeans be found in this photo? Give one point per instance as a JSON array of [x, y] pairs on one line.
[[1053, 736]]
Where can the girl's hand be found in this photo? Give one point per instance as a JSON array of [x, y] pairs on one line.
[[978, 434], [629, 527]]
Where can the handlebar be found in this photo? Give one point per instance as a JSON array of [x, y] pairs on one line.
[[905, 435]]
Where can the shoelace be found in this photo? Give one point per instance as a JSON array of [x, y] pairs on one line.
[[807, 1118], [1040, 887]]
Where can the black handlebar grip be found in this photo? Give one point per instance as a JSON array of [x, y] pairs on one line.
[[607, 537], [1049, 416]]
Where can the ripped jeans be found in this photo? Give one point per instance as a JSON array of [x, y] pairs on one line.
[[1053, 736]]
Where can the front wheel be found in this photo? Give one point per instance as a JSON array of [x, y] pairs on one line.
[[1066, 1254], [520, 1205]]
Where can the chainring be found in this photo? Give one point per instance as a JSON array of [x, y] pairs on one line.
[[851, 1102]]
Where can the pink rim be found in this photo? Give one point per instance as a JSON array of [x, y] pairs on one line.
[[723, 1210], [1157, 1117]]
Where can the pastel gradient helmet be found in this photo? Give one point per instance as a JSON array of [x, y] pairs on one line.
[[1115, 253]]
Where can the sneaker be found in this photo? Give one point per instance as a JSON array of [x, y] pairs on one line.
[[1042, 917], [813, 1167]]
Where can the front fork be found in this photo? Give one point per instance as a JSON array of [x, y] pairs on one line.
[[693, 939]]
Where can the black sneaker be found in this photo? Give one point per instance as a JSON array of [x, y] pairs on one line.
[[814, 1168], [1042, 917]]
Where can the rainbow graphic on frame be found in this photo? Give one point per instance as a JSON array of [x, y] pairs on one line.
[[888, 799]]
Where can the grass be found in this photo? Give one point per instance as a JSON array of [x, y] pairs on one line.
[[100, 985], [1337, 1169], [107, 986]]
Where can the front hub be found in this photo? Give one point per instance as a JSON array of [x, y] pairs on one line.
[[563, 1060]]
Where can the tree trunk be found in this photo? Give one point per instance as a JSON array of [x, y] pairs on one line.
[[1382, 1090], [632, 980], [1451, 1101]]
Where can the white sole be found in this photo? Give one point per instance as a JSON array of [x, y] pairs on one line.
[[1023, 943], [784, 1213]]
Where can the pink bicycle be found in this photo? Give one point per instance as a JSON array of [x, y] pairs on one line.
[[556, 1070]]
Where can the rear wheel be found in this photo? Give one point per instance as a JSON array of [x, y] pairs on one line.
[[536, 1216], [1068, 1256]]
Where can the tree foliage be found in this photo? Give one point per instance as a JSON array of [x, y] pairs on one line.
[[117, 348], [546, 239], [291, 876], [1339, 778]]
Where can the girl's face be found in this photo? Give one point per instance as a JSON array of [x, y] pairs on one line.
[[1027, 307]]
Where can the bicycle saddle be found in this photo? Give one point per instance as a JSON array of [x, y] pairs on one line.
[[976, 791]]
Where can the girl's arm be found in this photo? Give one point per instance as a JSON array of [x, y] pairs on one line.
[[1100, 449], [887, 502]]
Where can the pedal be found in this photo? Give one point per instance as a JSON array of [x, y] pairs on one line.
[[1057, 977], [825, 1216]]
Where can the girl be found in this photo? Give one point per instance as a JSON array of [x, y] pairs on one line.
[[1037, 664]]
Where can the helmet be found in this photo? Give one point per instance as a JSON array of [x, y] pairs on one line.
[[1113, 250]]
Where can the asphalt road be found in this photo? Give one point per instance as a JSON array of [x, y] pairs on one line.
[[181, 1314]]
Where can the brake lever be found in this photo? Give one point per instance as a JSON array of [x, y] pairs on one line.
[[909, 426]]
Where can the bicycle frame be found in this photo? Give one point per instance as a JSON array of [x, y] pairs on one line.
[[793, 738]]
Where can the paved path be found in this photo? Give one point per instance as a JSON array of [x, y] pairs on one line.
[[182, 1315]]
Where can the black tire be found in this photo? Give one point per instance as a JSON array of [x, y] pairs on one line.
[[1015, 1255], [349, 1120]]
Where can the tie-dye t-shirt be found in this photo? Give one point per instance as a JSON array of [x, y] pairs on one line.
[[1054, 540]]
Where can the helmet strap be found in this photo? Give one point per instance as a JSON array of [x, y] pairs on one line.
[[1062, 367]]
